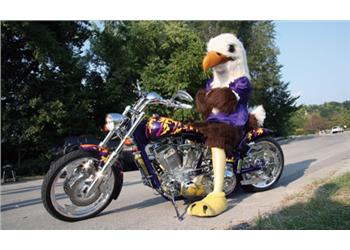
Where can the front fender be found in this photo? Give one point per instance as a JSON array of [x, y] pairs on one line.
[[101, 151]]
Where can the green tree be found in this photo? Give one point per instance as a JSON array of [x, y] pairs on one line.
[[335, 113], [53, 88], [297, 121], [265, 70], [41, 76], [165, 56], [312, 118], [113, 69], [315, 123]]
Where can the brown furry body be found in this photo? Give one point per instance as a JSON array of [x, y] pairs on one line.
[[220, 98], [218, 134]]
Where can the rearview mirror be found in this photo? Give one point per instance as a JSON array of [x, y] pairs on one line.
[[182, 95]]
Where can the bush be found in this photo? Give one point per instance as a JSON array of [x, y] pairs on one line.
[[33, 166]]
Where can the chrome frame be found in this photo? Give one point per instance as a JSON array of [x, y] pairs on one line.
[[136, 114]]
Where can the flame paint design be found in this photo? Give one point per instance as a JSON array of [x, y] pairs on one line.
[[103, 153], [255, 133], [158, 126]]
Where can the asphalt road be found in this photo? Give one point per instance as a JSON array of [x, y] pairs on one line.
[[138, 207]]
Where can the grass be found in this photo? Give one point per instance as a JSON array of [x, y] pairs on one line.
[[323, 205]]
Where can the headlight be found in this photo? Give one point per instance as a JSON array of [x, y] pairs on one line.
[[112, 120]]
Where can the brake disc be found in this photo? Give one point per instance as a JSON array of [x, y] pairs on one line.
[[76, 186]]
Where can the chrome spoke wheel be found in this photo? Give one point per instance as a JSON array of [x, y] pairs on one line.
[[267, 155], [229, 180], [68, 189]]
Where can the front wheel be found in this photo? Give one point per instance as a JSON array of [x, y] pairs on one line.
[[268, 154], [64, 188]]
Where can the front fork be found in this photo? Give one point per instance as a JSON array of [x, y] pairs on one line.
[[113, 156]]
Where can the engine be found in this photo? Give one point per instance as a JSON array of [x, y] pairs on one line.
[[183, 170]]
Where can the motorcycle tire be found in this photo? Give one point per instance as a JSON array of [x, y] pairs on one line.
[[253, 188], [55, 169]]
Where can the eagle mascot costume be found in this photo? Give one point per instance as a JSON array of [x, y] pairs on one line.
[[224, 104]]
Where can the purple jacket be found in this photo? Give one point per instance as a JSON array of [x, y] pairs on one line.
[[243, 87]]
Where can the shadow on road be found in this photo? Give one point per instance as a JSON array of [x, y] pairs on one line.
[[20, 190], [290, 173], [24, 189], [293, 172], [26, 203], [140, 205], [237, 197]]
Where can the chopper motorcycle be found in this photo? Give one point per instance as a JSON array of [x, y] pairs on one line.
[[171, 158]]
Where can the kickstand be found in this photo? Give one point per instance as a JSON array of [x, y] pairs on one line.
[[172, 199]]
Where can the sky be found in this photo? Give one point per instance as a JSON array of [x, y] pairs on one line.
[[316, 59]]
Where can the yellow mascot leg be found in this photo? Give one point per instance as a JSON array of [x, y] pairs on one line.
[[215, 202]]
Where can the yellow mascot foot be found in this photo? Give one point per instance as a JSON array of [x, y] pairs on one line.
[[213, 204]]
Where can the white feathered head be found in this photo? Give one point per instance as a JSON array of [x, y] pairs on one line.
[[227, 56]]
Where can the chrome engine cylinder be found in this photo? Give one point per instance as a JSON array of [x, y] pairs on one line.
[[181, 174], [168, 157]]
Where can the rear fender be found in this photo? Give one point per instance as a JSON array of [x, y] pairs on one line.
[[255, 134]]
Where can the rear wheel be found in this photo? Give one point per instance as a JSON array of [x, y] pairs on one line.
[[65, 185], [267, 154]]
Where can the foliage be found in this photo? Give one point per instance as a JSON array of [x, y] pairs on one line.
[[59, 79], [165, 56], [41, 86], [315, 118], [298, 120], [269, 89]]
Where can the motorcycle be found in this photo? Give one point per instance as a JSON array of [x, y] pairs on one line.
[[171, 158]]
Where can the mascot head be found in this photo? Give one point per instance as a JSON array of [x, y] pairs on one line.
[[227, 57]]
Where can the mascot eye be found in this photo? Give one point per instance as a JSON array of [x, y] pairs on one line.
[[231, 48]]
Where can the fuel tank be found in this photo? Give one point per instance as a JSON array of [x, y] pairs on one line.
[[159, 126]]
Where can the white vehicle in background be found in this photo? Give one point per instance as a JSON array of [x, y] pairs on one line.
[[337, 129]]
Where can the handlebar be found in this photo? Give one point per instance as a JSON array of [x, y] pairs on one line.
[[176, 104], [152, 98]]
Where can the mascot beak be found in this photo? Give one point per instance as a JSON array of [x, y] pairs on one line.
[[212, 59]]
